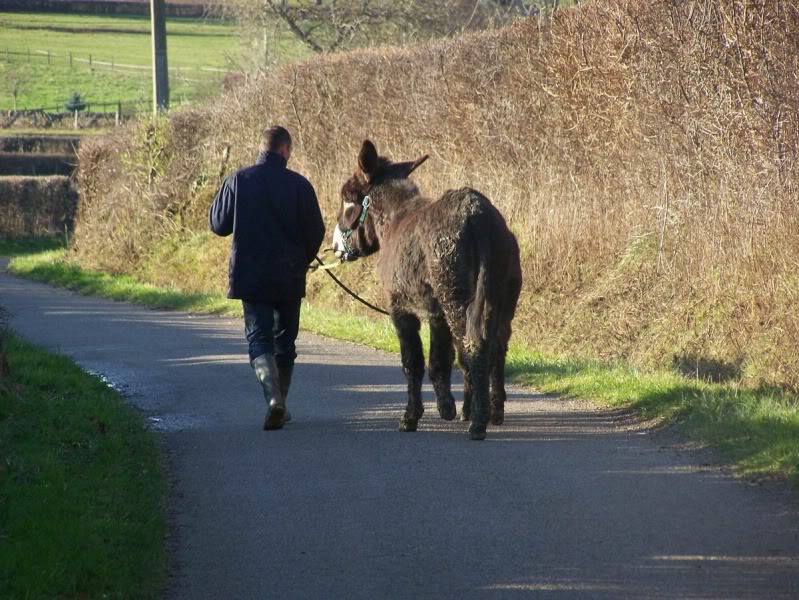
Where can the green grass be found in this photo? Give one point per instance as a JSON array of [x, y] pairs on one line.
[[51, 87], [192, 43], [755, 429], [24, 246], [82, 494], [124, 40], [49, 266]]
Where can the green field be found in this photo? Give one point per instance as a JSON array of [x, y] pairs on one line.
[[200, 51], [124, 41]]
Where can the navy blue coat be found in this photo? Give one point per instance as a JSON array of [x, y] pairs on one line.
[[277, 230]]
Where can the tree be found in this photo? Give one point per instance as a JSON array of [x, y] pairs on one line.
[[75, 103], [15, 89], [330, 25], [17, 82]]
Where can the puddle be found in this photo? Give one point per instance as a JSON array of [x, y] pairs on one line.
[[114, 386], [175, 423], [167, 423]]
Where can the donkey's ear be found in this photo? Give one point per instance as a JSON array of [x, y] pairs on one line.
[[368, 160], [418, 163], [404, 169]]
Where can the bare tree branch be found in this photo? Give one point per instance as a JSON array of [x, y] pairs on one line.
[[329, 25]]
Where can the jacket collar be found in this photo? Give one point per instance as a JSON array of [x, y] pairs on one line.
[[272, 159]]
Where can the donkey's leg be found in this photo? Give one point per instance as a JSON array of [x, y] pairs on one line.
[[442, 356], [498, 394], [466, 410], [478, 376], [407, 326]]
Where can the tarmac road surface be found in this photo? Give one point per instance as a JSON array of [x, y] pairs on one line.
[[563, 501]]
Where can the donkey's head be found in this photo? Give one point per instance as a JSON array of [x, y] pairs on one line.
[[376, 183]]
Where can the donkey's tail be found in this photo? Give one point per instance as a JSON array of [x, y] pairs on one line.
[[477, 313]]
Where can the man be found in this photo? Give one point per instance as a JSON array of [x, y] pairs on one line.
[[277, 229]]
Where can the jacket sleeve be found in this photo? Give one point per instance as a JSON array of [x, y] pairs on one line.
[[220, 217], [313, 226]]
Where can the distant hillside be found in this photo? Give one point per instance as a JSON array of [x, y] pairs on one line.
[[174, 8]]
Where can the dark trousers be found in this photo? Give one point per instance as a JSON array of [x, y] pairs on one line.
[[273, 329]]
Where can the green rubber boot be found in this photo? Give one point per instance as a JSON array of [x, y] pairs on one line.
[[284, 375], [267, 373]]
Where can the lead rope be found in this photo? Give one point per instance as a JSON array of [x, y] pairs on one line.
[[346, 289]]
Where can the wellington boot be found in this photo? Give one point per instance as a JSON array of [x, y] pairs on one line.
[[284, 375], [266, 371]]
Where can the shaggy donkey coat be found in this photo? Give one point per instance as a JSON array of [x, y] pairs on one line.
[[452, 261]]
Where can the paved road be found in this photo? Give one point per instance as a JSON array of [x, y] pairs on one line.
[[563, 501]]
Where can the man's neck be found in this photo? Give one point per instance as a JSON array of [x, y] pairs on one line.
[[271, 158]]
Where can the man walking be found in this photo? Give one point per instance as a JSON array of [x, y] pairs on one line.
[[277, 230]]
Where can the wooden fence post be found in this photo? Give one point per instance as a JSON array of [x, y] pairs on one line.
[[8, 57], [76, 119], [90, 61], [119, 113], [48, 57], [70, 59]]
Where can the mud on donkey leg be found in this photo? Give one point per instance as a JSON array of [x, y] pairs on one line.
[[442, 356], [407, 327]]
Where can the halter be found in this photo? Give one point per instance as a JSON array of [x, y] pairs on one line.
[[349, 252]]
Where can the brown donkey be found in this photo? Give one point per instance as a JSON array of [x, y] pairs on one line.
[[452, 261]]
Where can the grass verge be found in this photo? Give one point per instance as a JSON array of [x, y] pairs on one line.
[[81, 488], [757, 430], [24, 246]]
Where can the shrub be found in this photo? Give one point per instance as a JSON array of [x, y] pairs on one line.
[[35, 206]]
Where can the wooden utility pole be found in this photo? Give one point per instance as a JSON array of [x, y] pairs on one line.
[[160, 66]]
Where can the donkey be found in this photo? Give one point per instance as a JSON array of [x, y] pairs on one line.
[[452, 261]]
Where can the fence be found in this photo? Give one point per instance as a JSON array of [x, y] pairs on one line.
[[100, 114], [121, 107], [104, 7], [92, 62], [192, 75]]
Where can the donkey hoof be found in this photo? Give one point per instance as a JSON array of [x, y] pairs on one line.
[[477, 432], [498, 417], [408, 425], [447, 410]]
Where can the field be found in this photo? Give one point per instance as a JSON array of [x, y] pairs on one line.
[[200, 52]]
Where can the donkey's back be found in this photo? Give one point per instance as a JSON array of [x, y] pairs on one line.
[[471, 254]]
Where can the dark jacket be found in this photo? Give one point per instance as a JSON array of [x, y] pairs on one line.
[[277, 229]]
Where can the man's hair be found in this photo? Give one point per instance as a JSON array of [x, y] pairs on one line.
[[274, 138]]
